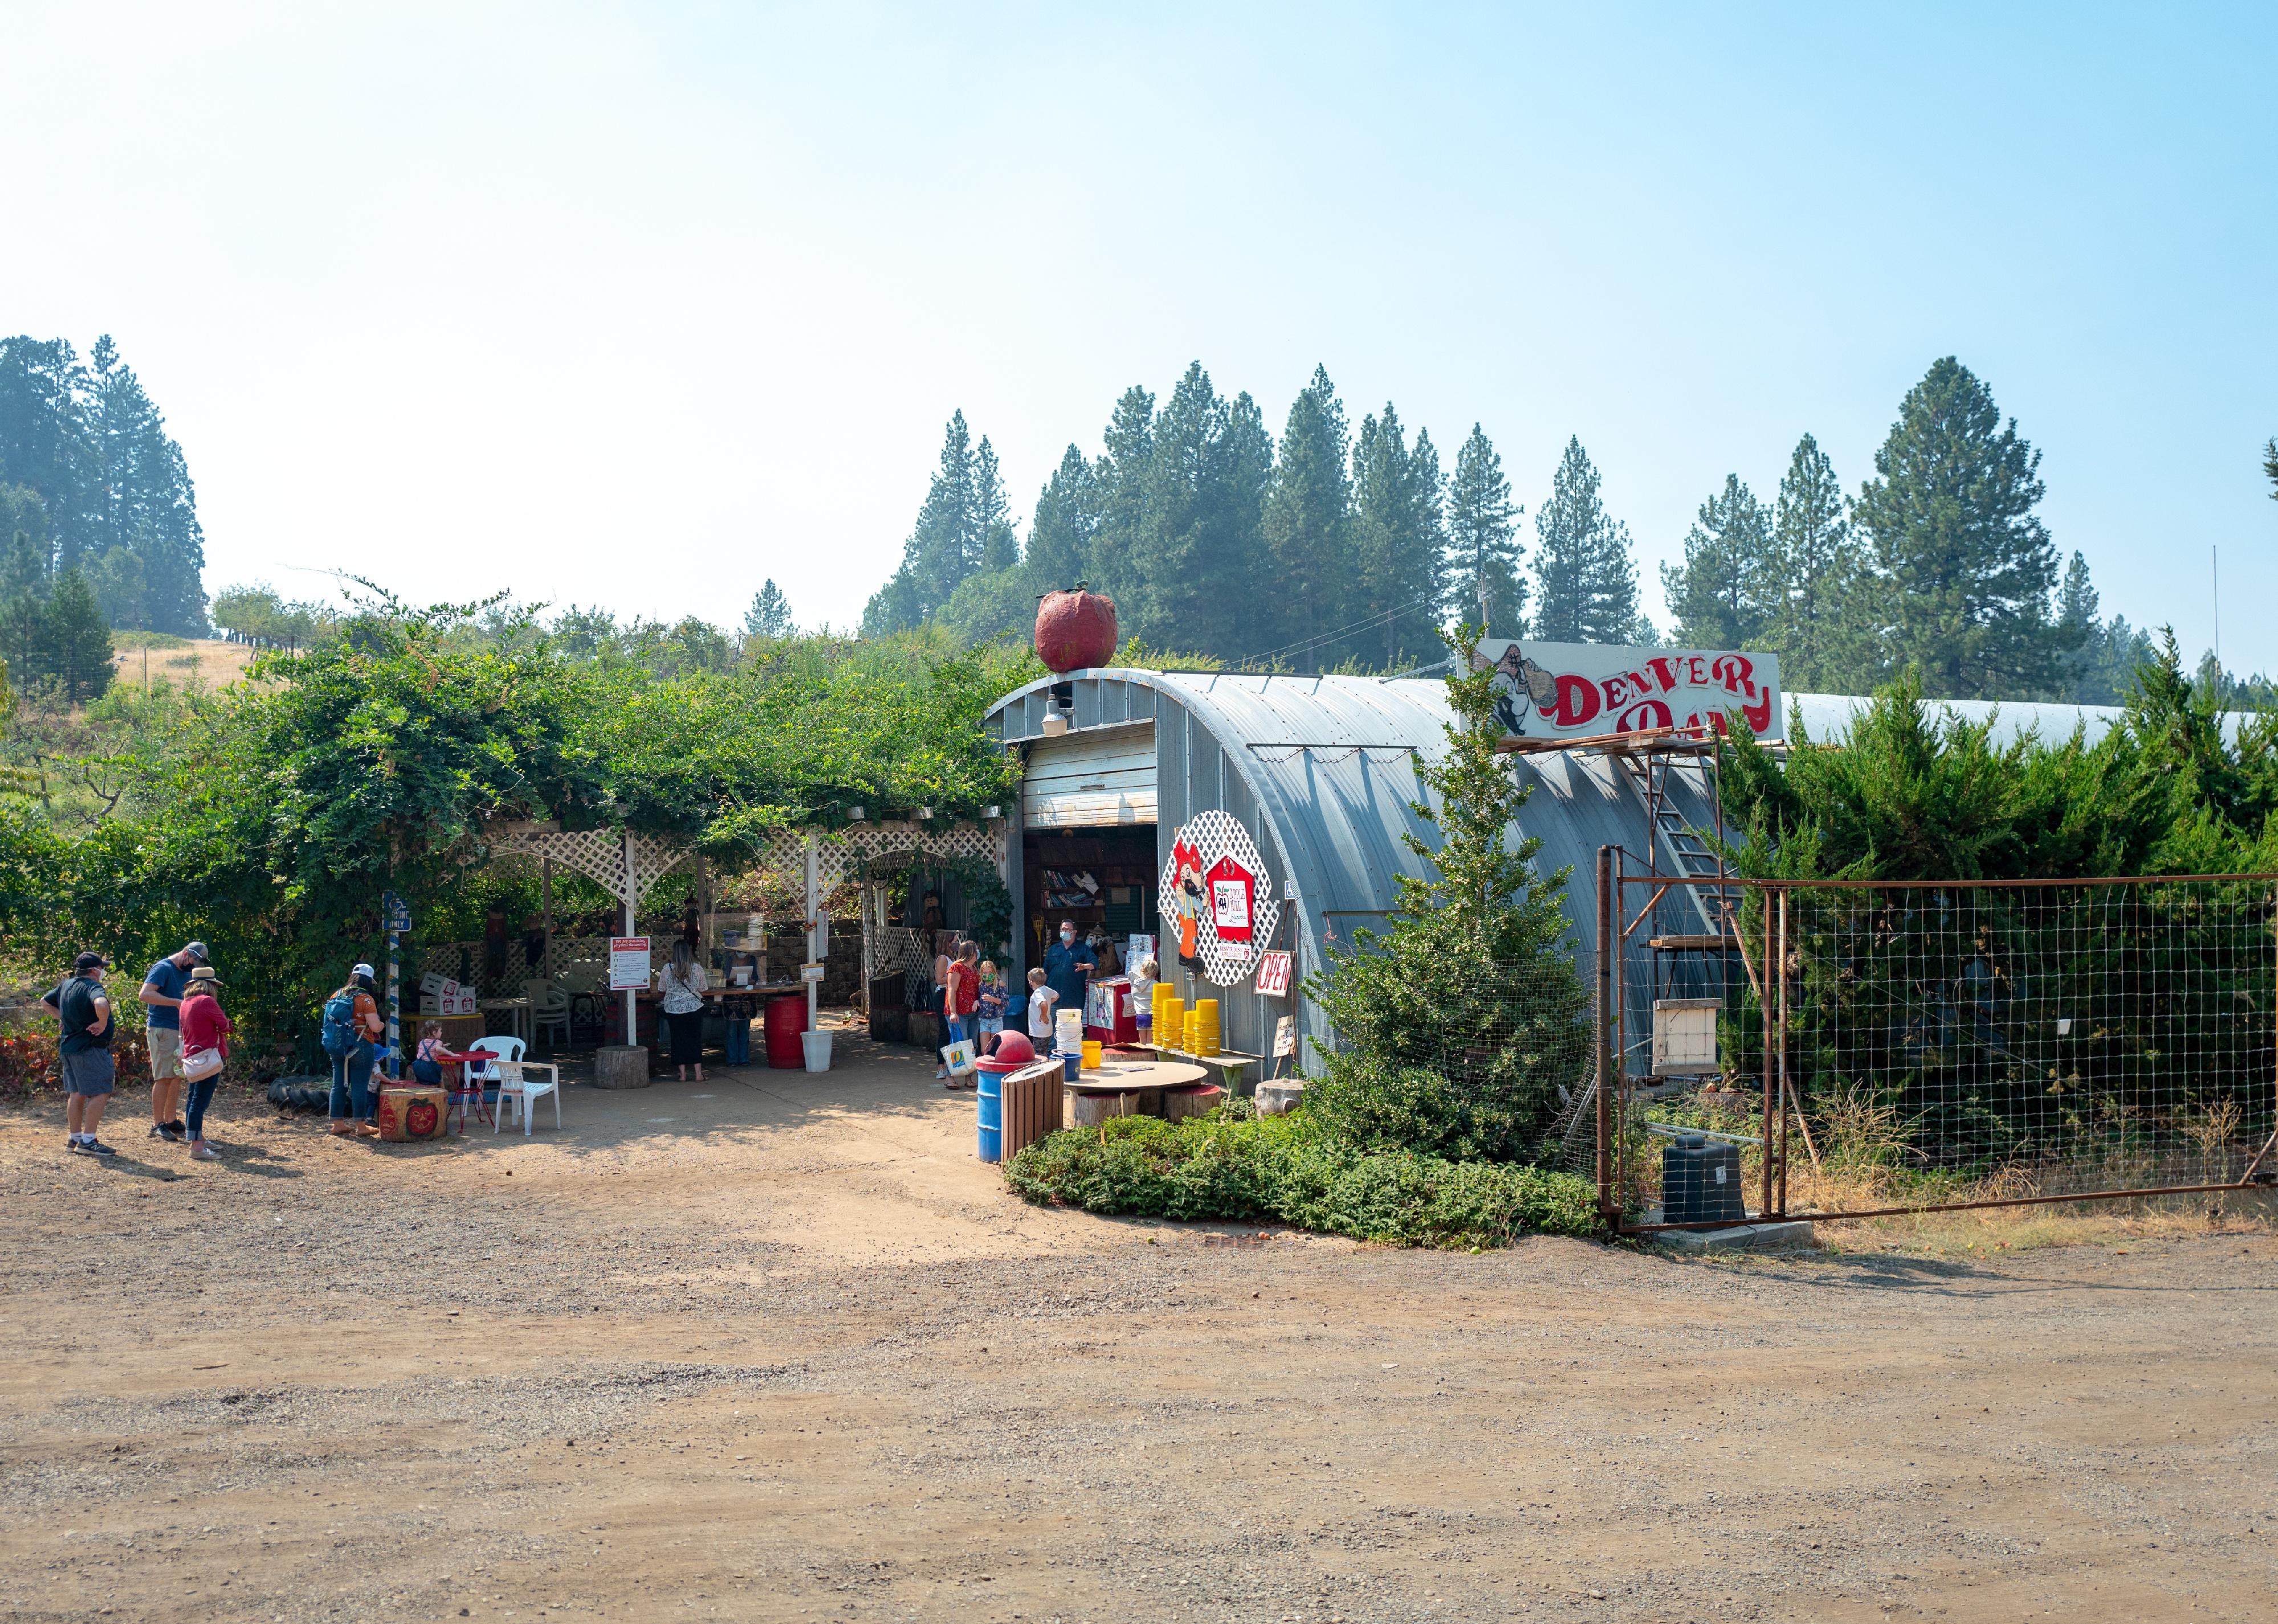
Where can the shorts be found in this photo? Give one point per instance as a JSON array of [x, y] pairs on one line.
[[90, 1071], [165, 1052], [992, 1022]]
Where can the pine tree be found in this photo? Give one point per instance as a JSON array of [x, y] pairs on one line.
[[992, 515], [1965, 568], [1816, 617], [1126, 465], [769, 615], [895, 606], [1460, 1024], [1308, 524], [1066, 525], [1728, 587], [943, 548], [1197, 570], [26, 553], [73, 643], [2270, 465], [44, 439], [1585, 581], [1483, 550], [147, 507], [1397, 542]]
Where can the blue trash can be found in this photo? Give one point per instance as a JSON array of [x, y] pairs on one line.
[[989, 1094], [1071, 1068]]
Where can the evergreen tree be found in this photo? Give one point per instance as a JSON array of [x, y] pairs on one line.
[[1066, 525], [1198, 566], [73, 644], [1815, 614], [1307, 524], [1964, 568], [44, 439], [2270, 465], [1398, 543], [1126, 466], [145, 507], [1585, 581], [992, 515], [895, 606], [1460, 1024], [1727, 589], [26, 553], [1483, 550], [769, 615]]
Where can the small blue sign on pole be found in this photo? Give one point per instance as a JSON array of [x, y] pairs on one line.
[[395, 913], [396, 919]]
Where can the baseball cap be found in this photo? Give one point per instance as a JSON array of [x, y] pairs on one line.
[[362, 970], [197, 950], [91, 961]]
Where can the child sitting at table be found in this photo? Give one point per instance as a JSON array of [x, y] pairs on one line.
[[991, 1010], [425, 1067]]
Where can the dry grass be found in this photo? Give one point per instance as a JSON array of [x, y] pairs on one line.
[[208, 663]]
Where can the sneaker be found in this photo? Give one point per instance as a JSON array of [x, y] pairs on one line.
[[165, 1130], [94, 1147], [203, 1153]]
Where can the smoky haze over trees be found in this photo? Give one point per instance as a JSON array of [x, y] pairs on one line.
[[92, 485]]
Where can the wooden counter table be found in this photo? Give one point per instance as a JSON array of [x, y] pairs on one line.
[[1125, 1088]]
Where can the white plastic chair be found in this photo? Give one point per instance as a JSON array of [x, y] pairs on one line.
[[549, 1007], [517, 1088]]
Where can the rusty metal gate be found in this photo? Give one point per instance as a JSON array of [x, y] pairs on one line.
[[1887, 1047]]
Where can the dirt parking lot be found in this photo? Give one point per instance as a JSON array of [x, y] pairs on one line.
[[777, 1347]]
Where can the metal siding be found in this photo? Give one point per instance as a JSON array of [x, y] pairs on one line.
[[1332, 816]]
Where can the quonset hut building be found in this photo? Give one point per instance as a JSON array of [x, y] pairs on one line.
[[1297, 791], [1304, 786]]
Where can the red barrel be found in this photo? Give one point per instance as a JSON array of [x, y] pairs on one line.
[[786, 1019]]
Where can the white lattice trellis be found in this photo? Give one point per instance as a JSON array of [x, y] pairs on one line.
[[599, 855]]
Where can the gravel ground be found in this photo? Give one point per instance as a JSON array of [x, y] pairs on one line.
[[774, 1346]]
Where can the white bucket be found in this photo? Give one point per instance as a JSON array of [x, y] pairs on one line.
[[818, 1050]]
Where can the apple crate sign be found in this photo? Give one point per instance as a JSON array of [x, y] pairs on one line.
[[1551, 690]]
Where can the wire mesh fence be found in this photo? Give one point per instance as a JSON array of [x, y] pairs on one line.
[[1881, 1047]]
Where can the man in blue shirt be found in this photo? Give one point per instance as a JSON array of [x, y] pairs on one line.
[[162, 988], [1068, 964]]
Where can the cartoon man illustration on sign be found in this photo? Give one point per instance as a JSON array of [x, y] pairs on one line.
[[1519, 682], [1187, 900]]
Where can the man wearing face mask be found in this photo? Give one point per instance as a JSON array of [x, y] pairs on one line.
[[1068, 964]]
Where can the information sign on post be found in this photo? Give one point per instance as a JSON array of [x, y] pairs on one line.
[[395, 913], [1274, 974], [810, 973], [629, 964]]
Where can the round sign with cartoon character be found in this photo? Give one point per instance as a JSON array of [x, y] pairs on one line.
[[1217, 904]]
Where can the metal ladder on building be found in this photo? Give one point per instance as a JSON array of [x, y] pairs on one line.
[[1674, 844]]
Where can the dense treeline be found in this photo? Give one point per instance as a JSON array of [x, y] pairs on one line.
[[92, 485], [1335, 546]]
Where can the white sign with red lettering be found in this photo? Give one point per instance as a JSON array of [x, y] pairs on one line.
[[1547, 690], [1274, 974]]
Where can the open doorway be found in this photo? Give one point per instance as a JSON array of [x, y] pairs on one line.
[[1097, 877]]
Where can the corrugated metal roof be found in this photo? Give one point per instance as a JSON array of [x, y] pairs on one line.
[[1827, 718], [1334, 761]]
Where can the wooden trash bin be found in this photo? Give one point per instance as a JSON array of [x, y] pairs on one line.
[[1032, 1105], [1194, 1100]]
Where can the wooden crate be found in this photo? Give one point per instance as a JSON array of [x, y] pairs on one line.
[[1032, 1105]]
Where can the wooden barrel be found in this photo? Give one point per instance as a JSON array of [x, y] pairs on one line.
[[1089, 1110], [1194, 1100]]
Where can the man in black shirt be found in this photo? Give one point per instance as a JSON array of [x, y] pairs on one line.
[[84, 1013]]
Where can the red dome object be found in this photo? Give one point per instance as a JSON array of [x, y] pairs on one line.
[[1075, 631], [1015, 1048]]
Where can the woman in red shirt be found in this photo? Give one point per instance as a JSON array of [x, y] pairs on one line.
[[205, 1046]]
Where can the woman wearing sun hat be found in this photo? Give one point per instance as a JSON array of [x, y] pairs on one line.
[[205, 1046]]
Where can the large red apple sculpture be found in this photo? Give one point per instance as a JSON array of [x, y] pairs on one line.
[[1075, 631]]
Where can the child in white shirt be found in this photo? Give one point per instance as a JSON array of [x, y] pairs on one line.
[[1041, 1000]]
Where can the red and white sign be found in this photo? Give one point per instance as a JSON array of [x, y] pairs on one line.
[[629, 964], [1233, 891], [1274, 974], [1579, 691]]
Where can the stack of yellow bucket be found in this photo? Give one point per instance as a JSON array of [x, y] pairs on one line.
[[1170, 1016], [1201, 1027]]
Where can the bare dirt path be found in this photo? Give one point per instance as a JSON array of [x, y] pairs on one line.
[[776, 1346]]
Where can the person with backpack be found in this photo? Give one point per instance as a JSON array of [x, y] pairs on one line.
[[84, 1013], [352, 1025]]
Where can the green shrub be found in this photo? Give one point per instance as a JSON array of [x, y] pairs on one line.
[[1287, 1168]]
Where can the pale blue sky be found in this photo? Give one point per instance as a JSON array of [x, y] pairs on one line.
[[640, 305]]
